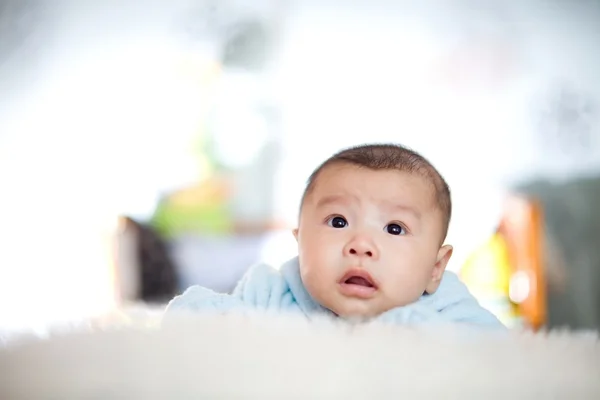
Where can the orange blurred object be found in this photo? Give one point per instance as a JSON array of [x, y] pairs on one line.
[[506, 274], [522, 229]]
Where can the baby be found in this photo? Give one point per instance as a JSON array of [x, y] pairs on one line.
[[371, 231]]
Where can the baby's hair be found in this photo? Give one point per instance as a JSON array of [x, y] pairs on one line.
[[387, 157]]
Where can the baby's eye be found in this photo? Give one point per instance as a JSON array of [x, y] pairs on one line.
[[395, 229], [337, 222]]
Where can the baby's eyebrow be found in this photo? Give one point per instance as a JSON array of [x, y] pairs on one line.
[[405, 209], [347, 199], [335, 199]]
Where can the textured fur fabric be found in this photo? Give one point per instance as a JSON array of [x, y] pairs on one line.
[[264, 357]]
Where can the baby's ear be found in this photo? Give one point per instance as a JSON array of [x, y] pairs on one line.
[[443, 256], [295, 233]]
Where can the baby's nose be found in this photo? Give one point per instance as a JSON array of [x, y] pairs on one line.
[[361, 251], [361, 247]]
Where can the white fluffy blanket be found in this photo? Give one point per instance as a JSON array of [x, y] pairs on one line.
[[262, 357]]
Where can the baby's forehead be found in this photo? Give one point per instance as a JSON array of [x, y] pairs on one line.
[[345, 182], [348, 175]]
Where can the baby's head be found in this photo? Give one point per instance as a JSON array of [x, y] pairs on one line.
[[372, 225]]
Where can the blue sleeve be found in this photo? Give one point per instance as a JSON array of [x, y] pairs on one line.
[[261, 288], [198, 298]]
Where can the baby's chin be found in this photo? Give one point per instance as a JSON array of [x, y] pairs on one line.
[[360, 310], [356, 312]]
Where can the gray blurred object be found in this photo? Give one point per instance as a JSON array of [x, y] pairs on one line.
[[217, 263], [241, 29], [145, 271], [566, 119], [244, 32], [573, 228], [27, 29], [18, 21], [247, 45]]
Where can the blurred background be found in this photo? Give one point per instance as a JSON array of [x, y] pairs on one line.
[[146, 146]]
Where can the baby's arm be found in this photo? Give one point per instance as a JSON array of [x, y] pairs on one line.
[[261, 288], [198, 298]]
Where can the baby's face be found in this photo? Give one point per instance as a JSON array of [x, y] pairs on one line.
[[369, 241]]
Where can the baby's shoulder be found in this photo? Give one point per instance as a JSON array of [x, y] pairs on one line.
[[262, 271], [260, 279]]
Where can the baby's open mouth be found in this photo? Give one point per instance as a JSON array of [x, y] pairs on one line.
[[358, 277], [358, 283], [358, 280]]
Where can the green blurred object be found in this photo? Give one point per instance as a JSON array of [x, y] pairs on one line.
[[171, 220], [199, 209]]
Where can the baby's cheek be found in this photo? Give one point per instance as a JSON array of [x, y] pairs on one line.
[[316, 286], [411, 281], [314, 272]]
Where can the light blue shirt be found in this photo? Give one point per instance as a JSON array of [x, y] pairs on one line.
[[266, 288]]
